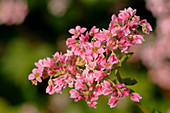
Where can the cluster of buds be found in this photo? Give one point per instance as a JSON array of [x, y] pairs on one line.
[[93, 59]]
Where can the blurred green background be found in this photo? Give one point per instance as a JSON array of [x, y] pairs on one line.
[[41, 34]]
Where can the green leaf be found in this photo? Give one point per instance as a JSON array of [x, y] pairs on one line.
[[131, 91], [129, 81], [125, 58]]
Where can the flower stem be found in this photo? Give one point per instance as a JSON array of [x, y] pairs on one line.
[[142, 107], [118, 76]]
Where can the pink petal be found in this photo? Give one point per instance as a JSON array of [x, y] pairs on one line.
[[78, 28], [39, 79], [31, 77], [72, 31], [83, 30], [34, 70], [97, 44], [101, 50]]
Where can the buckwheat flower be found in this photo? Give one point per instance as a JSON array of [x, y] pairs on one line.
[[138, 39], [101, 36], [146, 27], [92, 102], [36, 74], [56, 57], [76, 50], [113, 101], [50, 88], [80, 83], [98, 75], [74, 93], [111, 60], [106, 87], [135, 97], [131, 12], [84, 38], [90, 78], [71, 42], [59, 84], [124, 44], [49, 63], [94, 31], [77, 31], [94, 49], [98, 89], [123, 14], [113, 23]]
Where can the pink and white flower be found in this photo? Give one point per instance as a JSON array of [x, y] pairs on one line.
[[77, 31], [135, 97]]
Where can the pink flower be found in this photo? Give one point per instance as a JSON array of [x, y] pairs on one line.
[[124, 44], [135, 97], [80, 83], [89, 79], [101, 61], [94, 31], [69, 80], [77, 31], [41, 63], [59, 84], [98, 89], [92, 102], [84, 38], [94, 49], [49, 63], [138, 39], [127, 13], [50, 88], [36, 74], [106, 87], [131, 12], [98, 75], [114, 22], [71, 42], [92, 99], [74, 93], [113, 101], [146, 27], [56, 57], [111, 60]]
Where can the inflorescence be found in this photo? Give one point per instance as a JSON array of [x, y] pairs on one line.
[[94, 57]]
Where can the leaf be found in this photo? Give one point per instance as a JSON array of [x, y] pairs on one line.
[[125, 58], [131, 91], [129, 81]]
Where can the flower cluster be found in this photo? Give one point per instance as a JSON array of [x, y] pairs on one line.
[[87, 68]]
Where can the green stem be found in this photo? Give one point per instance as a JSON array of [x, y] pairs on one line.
[[142, 107], [119, 77], [110, 81]]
